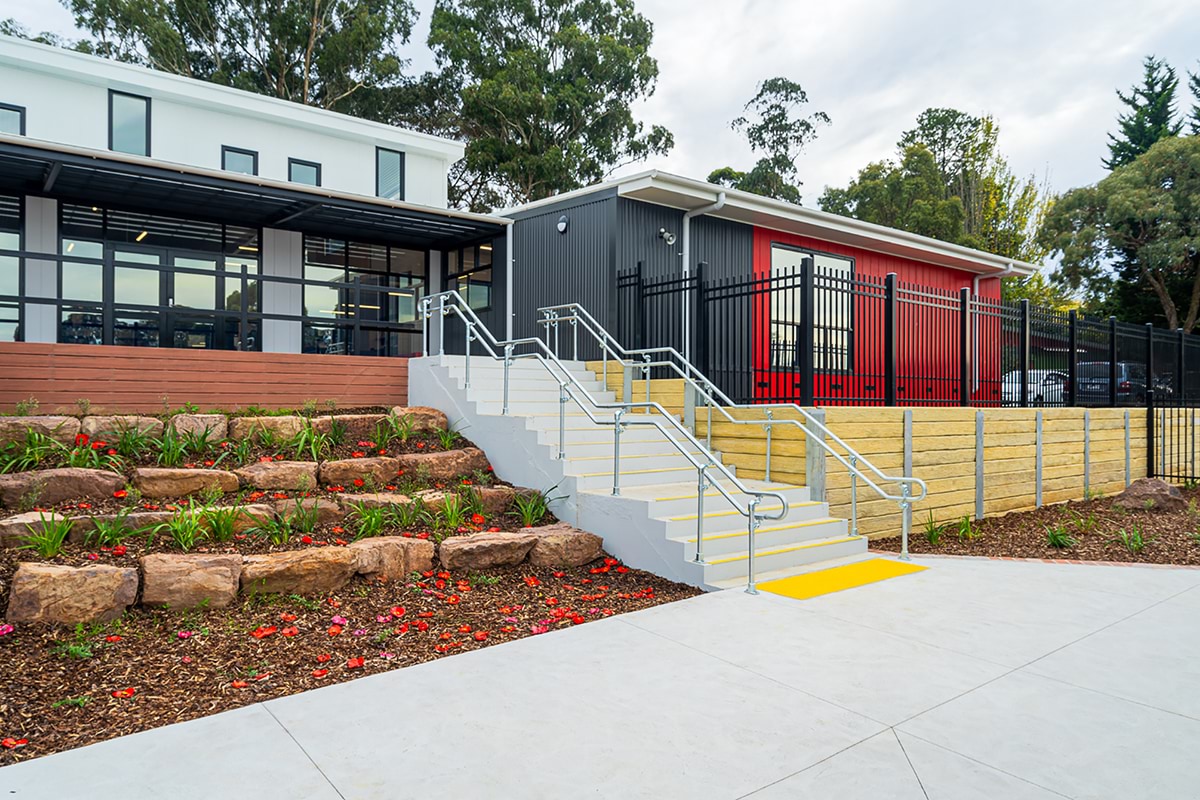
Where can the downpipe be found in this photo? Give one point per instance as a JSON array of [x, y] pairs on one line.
[[686, 235]]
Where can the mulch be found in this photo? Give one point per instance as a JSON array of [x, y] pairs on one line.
[[62, 688], [1095, 527]]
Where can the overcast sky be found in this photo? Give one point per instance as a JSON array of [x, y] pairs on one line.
[[1045, 69]]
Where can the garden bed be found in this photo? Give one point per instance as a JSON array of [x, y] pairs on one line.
[[1099, 529], [65, 687]]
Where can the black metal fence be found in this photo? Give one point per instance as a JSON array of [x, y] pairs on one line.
[[823, 336]]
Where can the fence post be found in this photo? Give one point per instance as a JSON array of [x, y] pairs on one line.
[[1149, 433], [640, 325], [1024, 354], [700, 321], [1112, 361], [1179, 385], [1073, 348], [891, 338], [1149, 362], [807, 336], [964, 347]]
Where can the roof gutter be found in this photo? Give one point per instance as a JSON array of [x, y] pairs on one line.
[[686, 235]]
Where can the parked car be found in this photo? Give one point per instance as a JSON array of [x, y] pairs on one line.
[[1093, 378], [1046, 387]]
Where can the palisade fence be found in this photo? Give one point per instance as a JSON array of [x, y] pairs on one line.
[[818, 336]]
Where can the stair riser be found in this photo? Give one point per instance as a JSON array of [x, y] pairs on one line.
[[687, 505], [494, 385], [794, 558], [737, 522], [600, 439], [632, 461], [577, 419], [766, 540], [520, 396], [603, 451], [599, 482], [534, 374]]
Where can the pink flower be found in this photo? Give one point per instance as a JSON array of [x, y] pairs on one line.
[[184, 634], [387, 655], [360, 632], [536, 629], [383, 618], [339, 620], [6, 629]]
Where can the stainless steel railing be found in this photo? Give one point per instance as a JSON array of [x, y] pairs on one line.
[[644, 359], [439, 306]]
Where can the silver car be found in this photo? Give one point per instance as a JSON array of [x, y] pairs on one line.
[[1046, 387]]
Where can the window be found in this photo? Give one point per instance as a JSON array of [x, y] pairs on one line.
[[234, 159], [306, 172], [10, 269], [128, 123], [832, 322], [12, 119], [469, 271], [389, 174]]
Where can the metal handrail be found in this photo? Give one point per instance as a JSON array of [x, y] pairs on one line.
[[568, 386], [815, 430]]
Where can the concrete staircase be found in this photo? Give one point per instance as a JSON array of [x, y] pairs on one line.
[[652, 523]]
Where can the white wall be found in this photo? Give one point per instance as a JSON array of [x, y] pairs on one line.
[[65, 95]]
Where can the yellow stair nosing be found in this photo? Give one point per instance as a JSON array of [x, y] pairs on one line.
[[709, 514], [805, 524], [631, 472], [792, 548], [634, 455]]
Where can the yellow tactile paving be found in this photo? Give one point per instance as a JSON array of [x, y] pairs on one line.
[[836, 579]]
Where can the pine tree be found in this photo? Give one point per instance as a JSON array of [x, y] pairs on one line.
[[1151, 114], [1194, 118]]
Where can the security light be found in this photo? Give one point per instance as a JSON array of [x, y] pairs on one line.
[[666, 236], [563, 222]]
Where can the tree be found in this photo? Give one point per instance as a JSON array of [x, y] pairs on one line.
[[773, 125], [1148, 211], [1039, 291], [951, 183], [541, 90], [316, 52], [1193, 119], [1151, 114]]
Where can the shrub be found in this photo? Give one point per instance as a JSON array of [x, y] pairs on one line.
[[447, 438], [965, 531], [933, 531], [186, 529], [368, 521], [533, 507], [133, 442], [308, 441], [172, 449], [47, 539], [30, 454], [110, 532], [411, 516], [1057, 537], [222, 521], [27, 406], [1132, 538]]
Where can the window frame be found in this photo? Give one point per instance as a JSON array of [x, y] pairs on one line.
[[149, 111], [21, 114], [301, 162], [379, 151], [226, 149], [450, 277], [847, 366]]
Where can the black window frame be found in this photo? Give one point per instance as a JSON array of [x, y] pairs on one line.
[[226, 148], [848, 330], [450, 277], [21, 112], [301, 162], [403, 166], [21, 297], [149, 113]]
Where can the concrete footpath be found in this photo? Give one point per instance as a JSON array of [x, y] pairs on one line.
[[973, 679]]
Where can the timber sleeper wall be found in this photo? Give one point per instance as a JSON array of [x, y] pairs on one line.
[[137, 379]]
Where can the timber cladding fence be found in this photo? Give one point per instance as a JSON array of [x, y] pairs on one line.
[[143, 379]]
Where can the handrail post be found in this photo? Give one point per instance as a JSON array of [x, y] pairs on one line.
[[425, 326], [854, 495], [562, 420], [646, 375], [708, 402], [904, 521], [508, 348], [752, 526], [768, 426], [574, 339], [701, 488], [442, 325], [470, 337], [556, 355], [604, 358], [616, 490]]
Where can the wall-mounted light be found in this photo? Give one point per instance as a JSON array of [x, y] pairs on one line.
[[141, 236], [666, 236], [563, 222]]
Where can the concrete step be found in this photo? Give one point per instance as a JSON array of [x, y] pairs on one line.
[[769, 536], [603, 479], [495, 394], [578, 419], [661, 459], [599, 435], [720, 517], [603, 451], [679, 499], [546, 385], [768, 559]]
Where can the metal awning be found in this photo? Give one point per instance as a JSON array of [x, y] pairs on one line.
[[143, 184]]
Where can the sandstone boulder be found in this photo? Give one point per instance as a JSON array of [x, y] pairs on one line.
[[13, 530], [62, 429], [393, 556], [50, 486], [372, 500], [216, 425], [1146, 494], [101, 427], [300, 475], [357, 427], [66, 595], [483, 550], [380, 471], [186, 581], [444, 466], [561, 545], [327, 511], [495, 499], [317, 570], [172, 482], [282, 427], [423, 417]]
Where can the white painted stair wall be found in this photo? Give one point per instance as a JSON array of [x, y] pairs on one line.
[[651, 524]]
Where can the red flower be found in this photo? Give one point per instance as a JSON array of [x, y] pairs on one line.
[[335, 488], [481, 636], [209, 463], [279, 458], [422, 625], [124, 693], [401, 630], [239, 684], [323, 658], [256, 495], [622, 569], [397, 611], [453, 599], [383, 452], [358, 454], [263, 631], [355, 663], [334, 630], [120, 494], [423, 535], [464, 628], [119, 550], [551, 601], [439, 583], [150, 506], [84, 505], [425, 614], [493, 529], [189, 466], [531, 580], [320, 673], [560, 574], [390, 488], [286, 617], [478, 519], [81, 439], [280, 495], [110, 452], [10, 743], [358, 481], [611, 562], [420, 445], [306, 539], [341, 542], [289, 631], [337, 529], [112, 638]]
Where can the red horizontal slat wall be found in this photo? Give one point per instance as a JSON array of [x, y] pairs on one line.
[[129, 379]]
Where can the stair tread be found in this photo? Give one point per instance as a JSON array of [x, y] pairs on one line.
[[732, 512], [808, 523], [779, 550]]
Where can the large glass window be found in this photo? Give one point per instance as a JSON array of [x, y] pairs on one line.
[[389, 174], [469, 271], [10, 268], [832, 309], [235, 159], [128, 123], [12, 119], [306, 172]]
